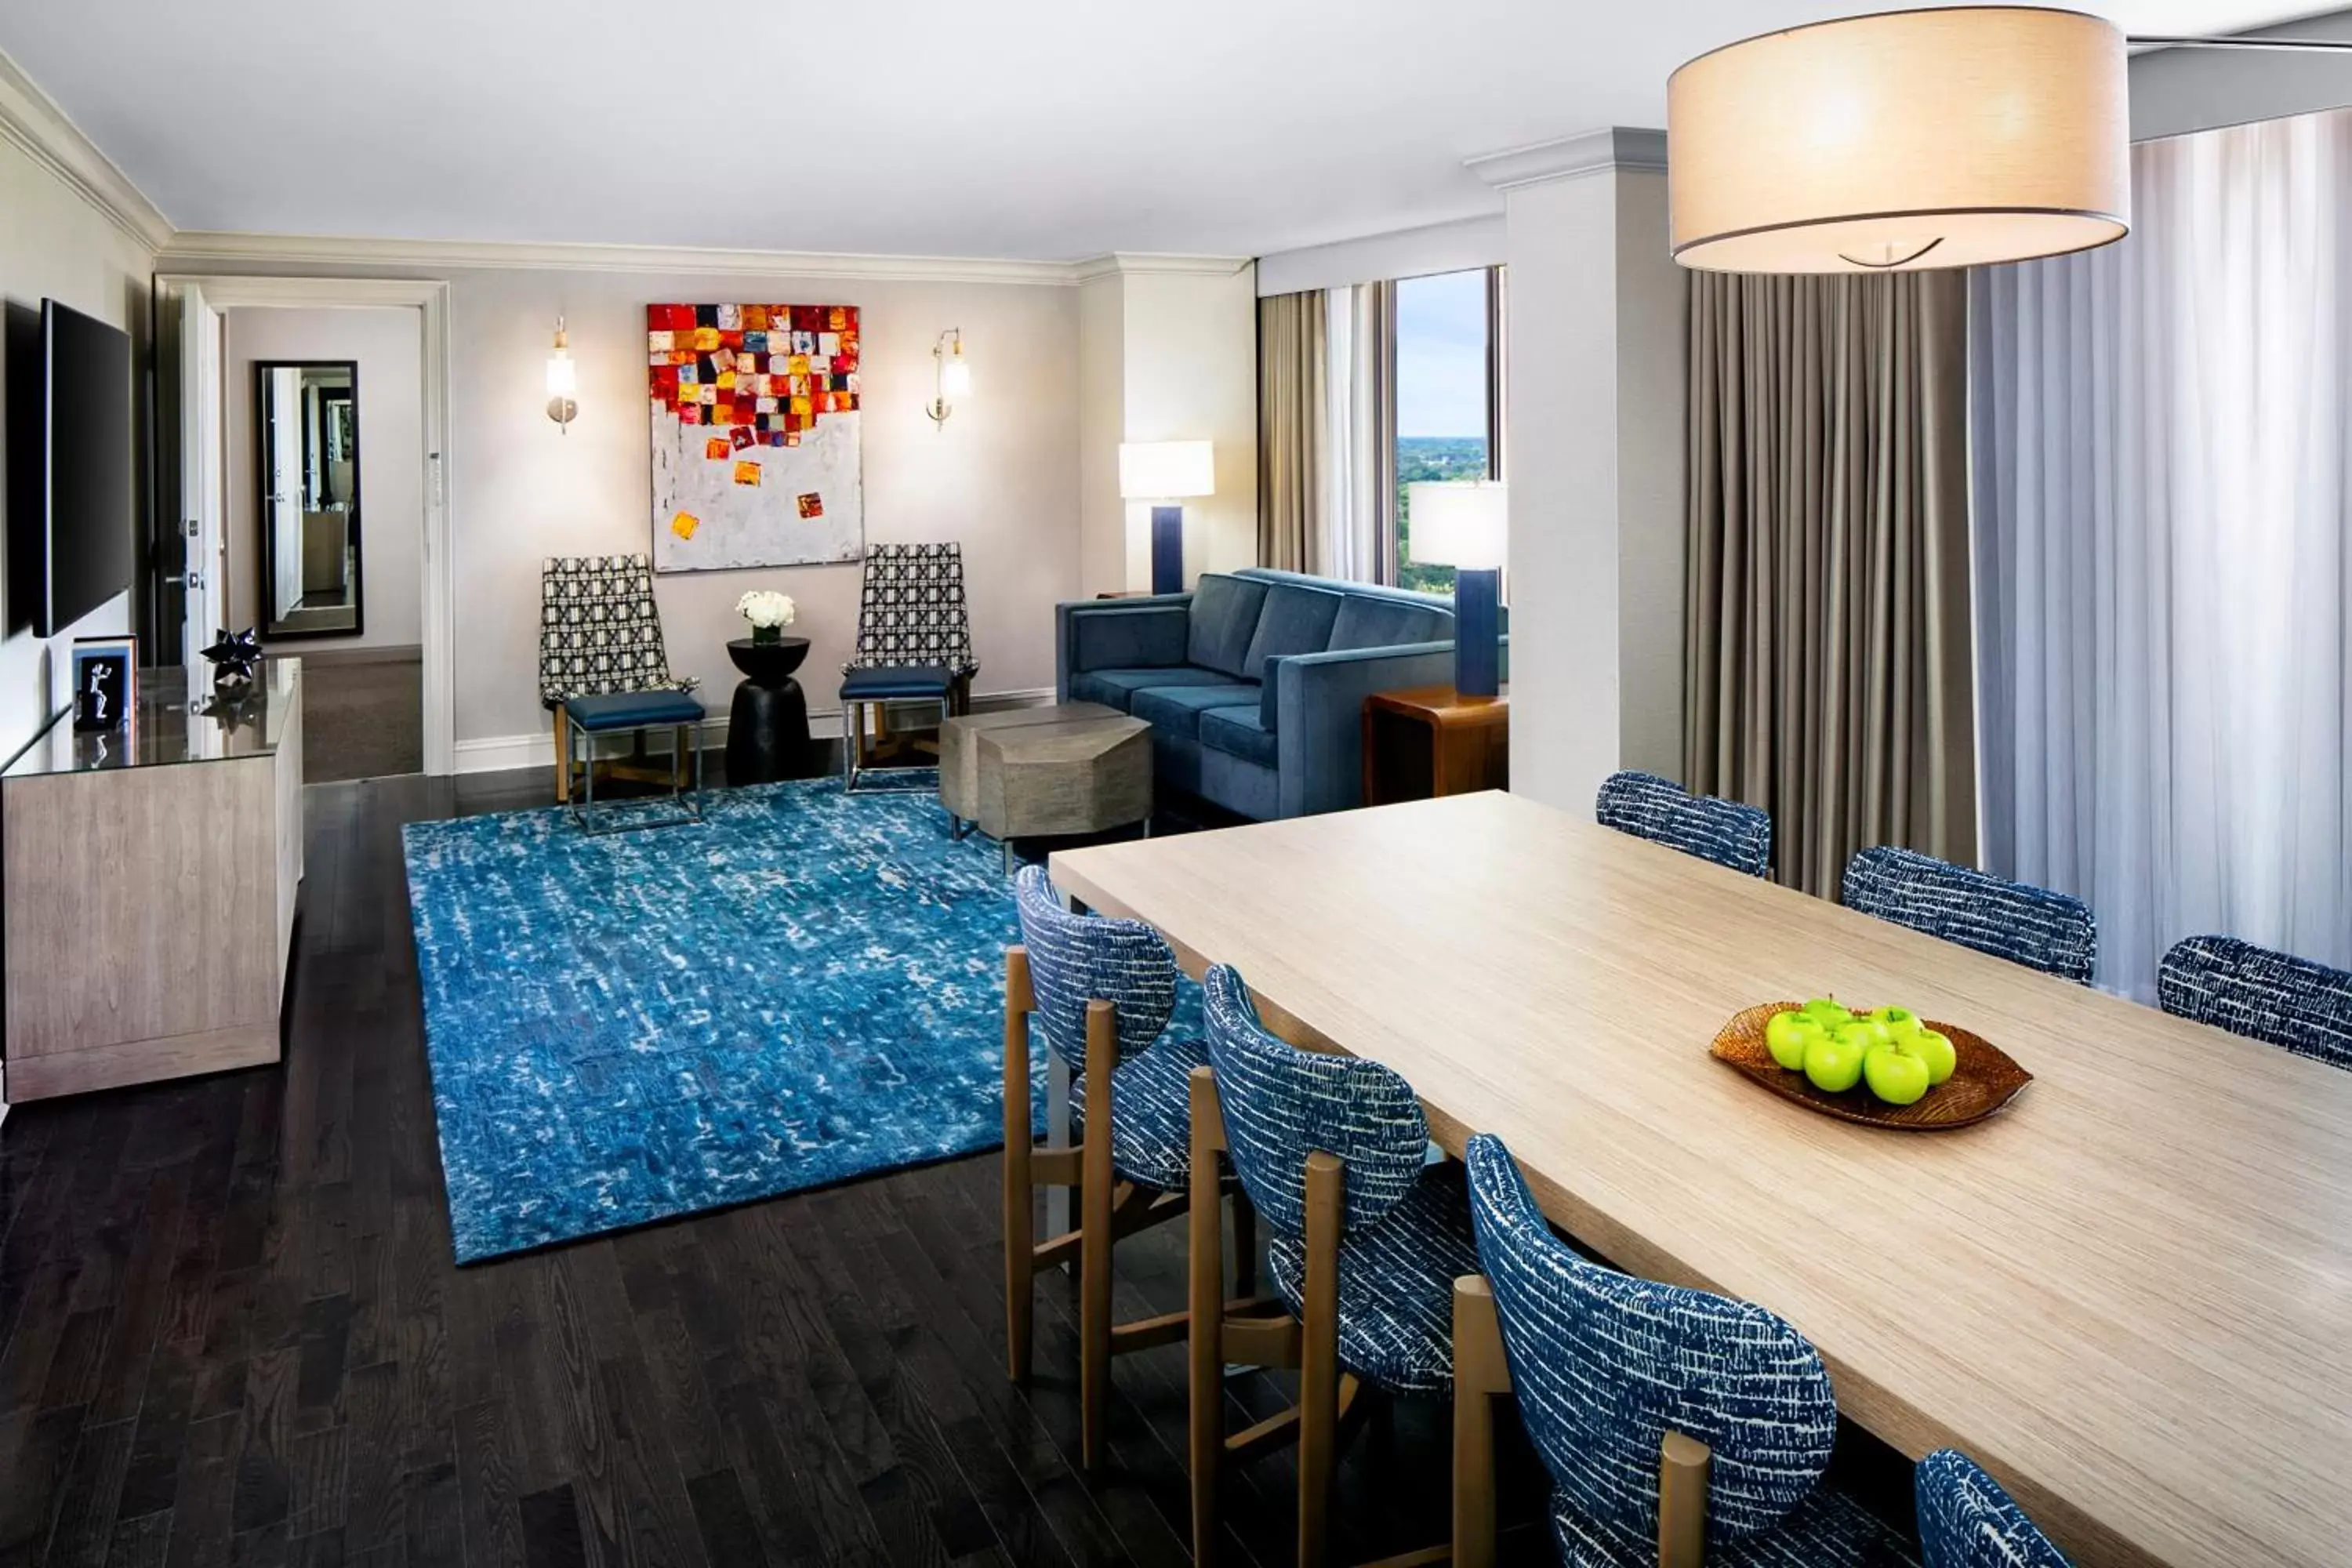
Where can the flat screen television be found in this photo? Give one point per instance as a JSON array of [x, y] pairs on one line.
[[70, 524]]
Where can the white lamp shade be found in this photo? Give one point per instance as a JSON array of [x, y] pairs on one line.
[[1166, 471], [562, 376], [1904, 140], [955, 374], [1459, 525]]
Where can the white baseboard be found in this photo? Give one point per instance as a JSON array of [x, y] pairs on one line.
[[502, 754]]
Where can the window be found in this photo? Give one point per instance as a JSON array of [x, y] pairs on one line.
[[1446, 413]]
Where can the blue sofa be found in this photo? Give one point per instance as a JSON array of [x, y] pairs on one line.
[[1254, 683]]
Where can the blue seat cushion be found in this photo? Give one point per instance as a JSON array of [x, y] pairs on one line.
[[1396, 1285], [1178, 708], [1368, 621], [1117, 688], [1150, 1113], [1828, 1529], [896, 680], [1224, 618], [632, 709], [1242, 732]]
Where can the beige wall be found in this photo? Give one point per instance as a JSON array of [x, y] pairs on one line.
[[385, 343], [54, 244]]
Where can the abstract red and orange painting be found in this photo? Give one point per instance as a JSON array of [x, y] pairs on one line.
[[756, 443]]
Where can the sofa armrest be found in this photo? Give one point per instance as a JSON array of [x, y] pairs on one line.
[[1318, 701], [1119, 634]]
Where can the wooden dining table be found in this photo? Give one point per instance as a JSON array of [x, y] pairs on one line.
[[2129, 1295]]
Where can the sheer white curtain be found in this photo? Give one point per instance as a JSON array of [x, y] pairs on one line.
[[2161, 439], [1358, 468]]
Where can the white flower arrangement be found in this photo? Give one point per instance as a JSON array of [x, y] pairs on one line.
[[767, 610]]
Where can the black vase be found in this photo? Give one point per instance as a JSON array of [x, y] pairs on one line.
[[767, 726]]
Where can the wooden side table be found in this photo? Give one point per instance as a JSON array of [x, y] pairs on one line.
[[1431, 740]]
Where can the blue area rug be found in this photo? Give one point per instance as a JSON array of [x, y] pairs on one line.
[[806, 988]]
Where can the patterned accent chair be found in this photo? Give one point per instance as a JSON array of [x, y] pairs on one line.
[[2053, 933], [1966, 1520], [2262, 994], [1101, 993], [602, 666], [1662, 811], [1679, 1426], [914, 645], [1367, 1240]]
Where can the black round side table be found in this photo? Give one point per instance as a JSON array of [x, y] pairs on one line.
[[767, 727]]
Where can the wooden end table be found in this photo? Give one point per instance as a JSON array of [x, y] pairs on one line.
[[1431, 741]]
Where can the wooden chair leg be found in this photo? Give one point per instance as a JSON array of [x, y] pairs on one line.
[[563, 756], [1245, 1250], [1480, 1373], [1205, 1277], [1020, 1206], [1318, 1377], [1682, 1466], [1095, 1232]]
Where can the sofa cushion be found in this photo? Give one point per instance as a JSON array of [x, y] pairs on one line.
[[1178, 708], [1238, 731], [1117, 688], [1224, 617], [1295, 620], [1369, 621], [1238, 785]]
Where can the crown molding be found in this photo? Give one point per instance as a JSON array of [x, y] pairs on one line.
[[31, 120], [1599, 152], [195, 248]]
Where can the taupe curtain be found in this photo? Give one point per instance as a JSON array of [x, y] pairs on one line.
[[1292, 410], [1828, 625]]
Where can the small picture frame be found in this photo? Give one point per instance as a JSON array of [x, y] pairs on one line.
[[105, 682]]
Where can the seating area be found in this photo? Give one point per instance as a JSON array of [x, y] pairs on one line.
[[1518, 783]]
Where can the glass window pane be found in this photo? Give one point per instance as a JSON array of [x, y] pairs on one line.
[[1440, 395]]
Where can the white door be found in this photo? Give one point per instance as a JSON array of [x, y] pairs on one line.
[[202, 485]]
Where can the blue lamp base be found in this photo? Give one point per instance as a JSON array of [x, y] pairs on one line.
[[1167, 549], [1477, 661]]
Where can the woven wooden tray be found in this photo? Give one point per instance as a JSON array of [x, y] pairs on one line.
[[1984, 1077]]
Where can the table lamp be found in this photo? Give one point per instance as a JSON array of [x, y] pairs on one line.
[[1467, 527], [1166, 471]]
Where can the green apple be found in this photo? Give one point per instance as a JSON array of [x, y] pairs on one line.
[[1894, 1074], [1826, 1011], [1834, 1062], [1900, 1022], [1934, 1048], [1865, 1033], [1788, 1035]]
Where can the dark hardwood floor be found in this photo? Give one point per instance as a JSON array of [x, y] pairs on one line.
[[231, 1333]]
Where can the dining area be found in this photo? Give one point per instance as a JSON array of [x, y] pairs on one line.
[[1470, 1102]]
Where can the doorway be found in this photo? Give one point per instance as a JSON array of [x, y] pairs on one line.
[[312, 417]]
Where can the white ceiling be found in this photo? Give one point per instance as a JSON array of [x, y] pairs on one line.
[[1038, 128]]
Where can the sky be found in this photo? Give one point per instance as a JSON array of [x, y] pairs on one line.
[[1442, 354]]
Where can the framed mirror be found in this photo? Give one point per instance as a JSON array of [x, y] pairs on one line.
[[308, 420]]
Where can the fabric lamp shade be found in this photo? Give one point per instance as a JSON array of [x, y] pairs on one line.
[[1908, 139], [1166, 471], [1461, 525]]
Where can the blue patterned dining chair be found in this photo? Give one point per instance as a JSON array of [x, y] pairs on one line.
[[2262, 994], [1365, 1240], [2053, 933], [1662, 811], [1679, 1426], [1101, 993], [603, 670], [914, 645], [1966, 1520]]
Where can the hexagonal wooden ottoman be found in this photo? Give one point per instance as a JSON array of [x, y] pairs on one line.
[[1040, 772]]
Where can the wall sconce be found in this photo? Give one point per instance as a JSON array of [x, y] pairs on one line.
[[562, 381], [951, 374]]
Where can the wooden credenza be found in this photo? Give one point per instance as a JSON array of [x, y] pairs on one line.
[[147, 890]]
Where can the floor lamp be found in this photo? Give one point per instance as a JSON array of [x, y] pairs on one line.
[[1166, 471], [1467, 527]]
